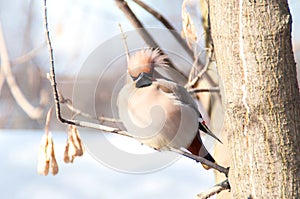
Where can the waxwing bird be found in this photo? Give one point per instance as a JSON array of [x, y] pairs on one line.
[[159, 112]]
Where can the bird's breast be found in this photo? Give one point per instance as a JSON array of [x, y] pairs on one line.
[[155, 117]]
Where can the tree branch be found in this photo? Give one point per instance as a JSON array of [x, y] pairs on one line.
[[31, 111], [191, 37], [136, 23], [201, 90], [143, 32], [201, 160], [214, 190], [124, 43], [194, 80], [28, 56], [20, 60], [76, 111], [167, 24], [48, 120], [56, 95], [2, 79]]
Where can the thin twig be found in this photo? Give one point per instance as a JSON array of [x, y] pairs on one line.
[[136, 23], [52, 71], [76, 111], [20, 60], [124, 42], [31, 111], [2, 79], [108, 119], [197, 64], [48, 120], [167, 24], [27, 56], [201, 160], [192, 82], [56, 95], [201, 90], [214, 190], [122, 4]]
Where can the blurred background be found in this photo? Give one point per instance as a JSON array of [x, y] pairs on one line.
[[76, 28]]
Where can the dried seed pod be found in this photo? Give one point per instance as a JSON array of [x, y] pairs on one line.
[[43, 161], [49, 147], [74, 146], [47, 155], [54, 165], [66, 154], [77, 142]]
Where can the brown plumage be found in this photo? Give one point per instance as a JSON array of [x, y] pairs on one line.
[[160, 112]]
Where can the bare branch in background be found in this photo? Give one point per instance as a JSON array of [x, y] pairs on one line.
[[190, 33], [167, 24], [194, 80], [142, 31], [136, 23], [20, 60], [124, 43], [31, 111], [215, 190], [2, 79], [28, 56]]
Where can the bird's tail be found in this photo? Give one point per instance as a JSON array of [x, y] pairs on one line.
[[205, 129], [198, 148]]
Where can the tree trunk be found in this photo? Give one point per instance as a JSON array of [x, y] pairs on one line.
[[252, 41]]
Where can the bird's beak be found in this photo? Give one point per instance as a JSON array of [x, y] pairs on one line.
[[143, 80]]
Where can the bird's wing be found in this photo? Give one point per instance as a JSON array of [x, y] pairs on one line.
[[178, 92], [181, 96]]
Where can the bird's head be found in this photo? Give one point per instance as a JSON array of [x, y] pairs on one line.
[[142, 63]]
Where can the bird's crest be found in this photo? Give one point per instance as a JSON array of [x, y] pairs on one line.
[[145, 60]]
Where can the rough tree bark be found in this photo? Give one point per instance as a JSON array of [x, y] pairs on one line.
[[252, 41]]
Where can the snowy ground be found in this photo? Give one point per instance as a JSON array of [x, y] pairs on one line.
[[86, 177]]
